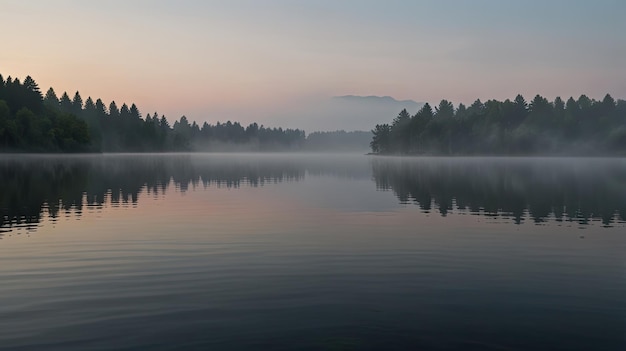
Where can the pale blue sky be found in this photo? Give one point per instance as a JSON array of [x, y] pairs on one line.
[[267, 60]]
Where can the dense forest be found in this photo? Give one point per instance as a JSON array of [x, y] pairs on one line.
[[573, 127], [32, 122], [29, 124]]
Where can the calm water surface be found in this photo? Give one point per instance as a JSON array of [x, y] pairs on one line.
[[310, 252]]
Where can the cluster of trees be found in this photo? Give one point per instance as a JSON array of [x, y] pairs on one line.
[[583, 126], [116, 129], [233, 136], [30, 121], [27, 124]]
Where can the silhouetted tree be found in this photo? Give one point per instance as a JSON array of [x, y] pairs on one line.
[[51, 100], [381, 139], [114, 112], [65, 103], [77, 104]]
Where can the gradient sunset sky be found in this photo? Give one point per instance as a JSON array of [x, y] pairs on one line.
[[252, 60]]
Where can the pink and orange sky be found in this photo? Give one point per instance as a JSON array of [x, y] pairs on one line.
[[272, 61]]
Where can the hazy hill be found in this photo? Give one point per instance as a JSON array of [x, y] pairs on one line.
[[347, 113], [380, 101], [339, 141]]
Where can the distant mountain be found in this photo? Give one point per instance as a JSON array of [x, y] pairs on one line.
[[349, 113], [373, 99], [364, 112], [339, 141]]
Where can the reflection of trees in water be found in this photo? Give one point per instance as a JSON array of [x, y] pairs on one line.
[[579, 190], [33, 185], [564, 189]]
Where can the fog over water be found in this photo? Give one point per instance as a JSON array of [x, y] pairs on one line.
[[540, 190]]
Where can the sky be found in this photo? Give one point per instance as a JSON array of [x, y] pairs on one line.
[[274, 61]]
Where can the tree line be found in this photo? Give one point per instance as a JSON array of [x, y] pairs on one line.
[[33, 122], [574, 127]]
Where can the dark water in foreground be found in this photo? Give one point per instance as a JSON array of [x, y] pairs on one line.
[[309, 252]]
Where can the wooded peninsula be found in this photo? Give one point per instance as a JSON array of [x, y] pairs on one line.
[[574, 127], [32, 122]]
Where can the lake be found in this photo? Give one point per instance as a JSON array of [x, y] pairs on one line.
[[311, 252]]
